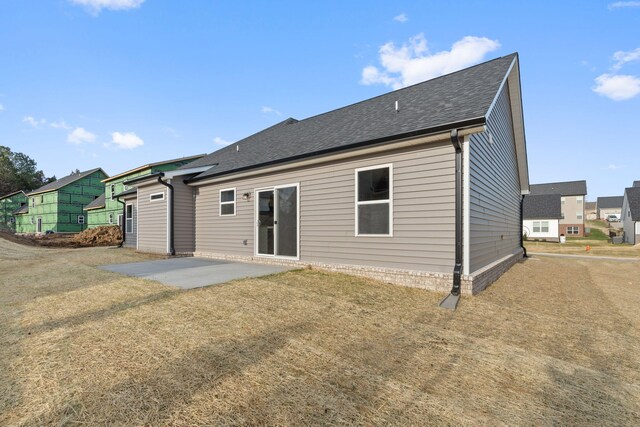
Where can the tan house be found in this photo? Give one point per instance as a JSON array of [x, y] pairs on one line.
[[421, 186], [608, 206], [572, 201]]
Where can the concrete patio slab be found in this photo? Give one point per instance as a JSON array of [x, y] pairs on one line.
[[189, 273]]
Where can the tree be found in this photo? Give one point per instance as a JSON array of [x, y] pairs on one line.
[[19, 172]]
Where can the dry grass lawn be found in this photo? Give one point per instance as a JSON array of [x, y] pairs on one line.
[[555, 341]]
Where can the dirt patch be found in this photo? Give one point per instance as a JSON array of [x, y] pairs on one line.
[[551, 342], [109, 235], [98, 236]]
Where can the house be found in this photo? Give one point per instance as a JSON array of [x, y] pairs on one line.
[[58, 205], [572, 198], [541, 216], [106, 210], [9, 203], [590, 211], [609, 206], [421, 186], [631, 214]]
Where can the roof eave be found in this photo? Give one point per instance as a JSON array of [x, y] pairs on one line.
[[470, 123]]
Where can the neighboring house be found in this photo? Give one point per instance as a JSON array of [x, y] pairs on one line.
[[8, 205], [541, 217], [106, 210], [636, 184], [57, 206], [611, 205], [573, 194], [631, 214], [370, 189], [591, 211]]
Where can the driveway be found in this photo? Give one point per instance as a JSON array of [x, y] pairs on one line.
[[189, 273]]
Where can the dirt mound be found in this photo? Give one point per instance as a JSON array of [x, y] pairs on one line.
[[107, 235]]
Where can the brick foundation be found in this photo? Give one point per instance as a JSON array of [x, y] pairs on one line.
[[439, 282]]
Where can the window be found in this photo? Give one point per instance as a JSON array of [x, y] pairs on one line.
[[573, 230], [120, 220], [540, 226], [228, 202], [562, 215], [110, 218], [41, 199], [33, 221], [129, 212], [33, 202], [12, 220], [561, 200], [579, 216], [80, 219], [156, 196], [112, 190], [374, 192]]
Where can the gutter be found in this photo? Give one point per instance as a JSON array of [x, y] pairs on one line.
[[123, 226], [369, 147], [172, 250], [451, 300]]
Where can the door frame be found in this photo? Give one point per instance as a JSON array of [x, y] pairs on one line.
[[256, 217]]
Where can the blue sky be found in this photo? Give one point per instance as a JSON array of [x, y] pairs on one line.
[[120, 83]]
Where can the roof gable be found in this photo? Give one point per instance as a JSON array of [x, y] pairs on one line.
[[12, 194], [459, 99], [62, 182], [151, 166], [568, 188], [98, 202]]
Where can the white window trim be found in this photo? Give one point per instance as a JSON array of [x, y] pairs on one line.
[[220, 202], [112, 189], [126, 220], [78, 219], [151, 199], [120, 219], [374, 202], [111, 218]]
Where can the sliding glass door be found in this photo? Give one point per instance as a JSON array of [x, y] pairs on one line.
[[277, 221]]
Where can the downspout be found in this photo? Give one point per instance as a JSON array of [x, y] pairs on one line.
[[451, 301], [123, 228], [172, 250], [524, 250]]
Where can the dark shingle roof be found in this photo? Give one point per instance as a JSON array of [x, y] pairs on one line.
[[543, 206], [97, 203], [569, 188], [11, 194], [22, 209], [463, 97], [633, 198], [58, 184], [636, 184], [610, 202], [590, 206], [126, 192]]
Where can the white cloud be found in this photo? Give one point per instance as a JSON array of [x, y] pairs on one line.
[[402, 18], [617, 87], [623, 57], [126, 140], [270, 110], [219, 141], [612, 167], [413, 63], [33, 122], [80, 135], [624, 4], [60, 125], [95, 6]]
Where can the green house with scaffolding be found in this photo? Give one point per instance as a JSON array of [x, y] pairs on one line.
[[106, 210], [8, 205], [58, 206]]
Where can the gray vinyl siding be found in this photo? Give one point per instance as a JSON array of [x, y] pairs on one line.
[[152, 219], [423, 212], [184, 216], [130, 238], [494, 189]]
